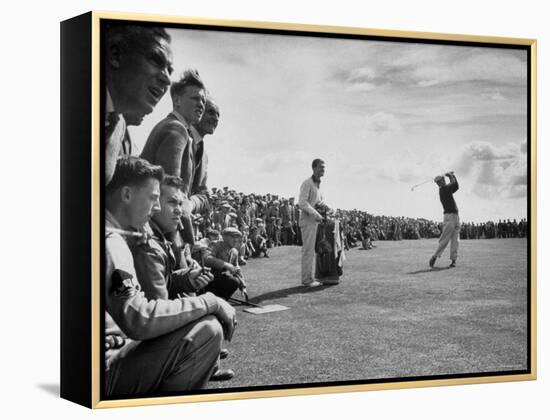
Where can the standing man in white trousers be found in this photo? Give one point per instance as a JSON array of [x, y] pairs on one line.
[[451, 221], [310, 196]]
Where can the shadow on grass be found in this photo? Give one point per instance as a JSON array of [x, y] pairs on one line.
[[277, 294], [429, 270]]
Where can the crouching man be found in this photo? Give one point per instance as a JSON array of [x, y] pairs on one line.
[[223, 259], [180, 339]]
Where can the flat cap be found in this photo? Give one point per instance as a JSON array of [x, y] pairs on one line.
[[231, 231]]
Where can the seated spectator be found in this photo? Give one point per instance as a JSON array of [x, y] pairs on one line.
[[162, 275], [223, 259], [212, 236], [258, 239], [180, 338], [249, 249]]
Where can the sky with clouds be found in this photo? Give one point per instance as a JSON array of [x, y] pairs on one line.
[[383, 115]]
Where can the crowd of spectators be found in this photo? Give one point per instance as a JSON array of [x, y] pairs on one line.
[[274, 219]]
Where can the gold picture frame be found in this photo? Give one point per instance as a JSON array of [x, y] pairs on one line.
[[81, 93]]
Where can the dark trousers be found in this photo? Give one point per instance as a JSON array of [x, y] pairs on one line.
[[179, 361], [223, 285], [287, 236]]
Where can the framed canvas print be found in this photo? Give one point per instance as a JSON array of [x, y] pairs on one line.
[[256, 209]]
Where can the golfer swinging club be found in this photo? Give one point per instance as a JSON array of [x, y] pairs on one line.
[[451, 222]]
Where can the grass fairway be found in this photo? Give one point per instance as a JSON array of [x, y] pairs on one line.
[[391, 316]]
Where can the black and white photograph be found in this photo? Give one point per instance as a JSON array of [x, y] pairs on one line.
[[297, 209], [274, 210]]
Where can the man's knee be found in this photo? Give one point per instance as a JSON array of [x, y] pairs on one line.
[[206, 331]]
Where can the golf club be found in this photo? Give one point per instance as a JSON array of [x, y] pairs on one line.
[[429, 180], [244, 302]]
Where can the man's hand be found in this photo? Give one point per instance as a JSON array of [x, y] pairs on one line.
[[114, 354], [114, 341], [231, 268], [195, 265], [228, 318], [199, 279], [318, 218], [243, 283]]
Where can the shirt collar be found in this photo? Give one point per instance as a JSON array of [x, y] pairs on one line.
[[157, 231], [197, 138], [111, 220], [180, 118]]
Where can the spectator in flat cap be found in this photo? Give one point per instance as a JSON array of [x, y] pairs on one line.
[[295, 217], [253, 208], [232, 219], [287, 230], [223, 259], [243, 214], [212, 236], [272, 214], [225, 218], [258, 238]]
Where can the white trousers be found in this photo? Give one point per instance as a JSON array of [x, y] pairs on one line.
[[450, 232], [309, 233]]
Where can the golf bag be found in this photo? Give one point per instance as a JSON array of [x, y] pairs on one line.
[[328, 250]]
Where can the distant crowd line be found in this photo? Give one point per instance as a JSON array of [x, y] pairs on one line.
[[268, 220]]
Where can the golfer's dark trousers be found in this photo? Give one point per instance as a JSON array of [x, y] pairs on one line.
[[179, 361]]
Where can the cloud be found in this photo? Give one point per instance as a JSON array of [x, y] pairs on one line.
[[519, 180], [428, 83], [493, 94], [277, 161], [426, 66], [495, 172], [481, 150], [382, 122], [518, 191], [385, 174], [361, 74], [362, 87], [408, 176]]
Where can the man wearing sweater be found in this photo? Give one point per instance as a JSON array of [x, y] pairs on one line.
[[152, 345], [451, 222]]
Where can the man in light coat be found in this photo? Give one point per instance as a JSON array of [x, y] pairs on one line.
[[310, 197]]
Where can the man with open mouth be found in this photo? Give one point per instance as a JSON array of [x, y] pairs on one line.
[[137, 69]]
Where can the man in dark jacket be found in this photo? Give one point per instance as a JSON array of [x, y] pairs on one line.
[[451, 221]]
